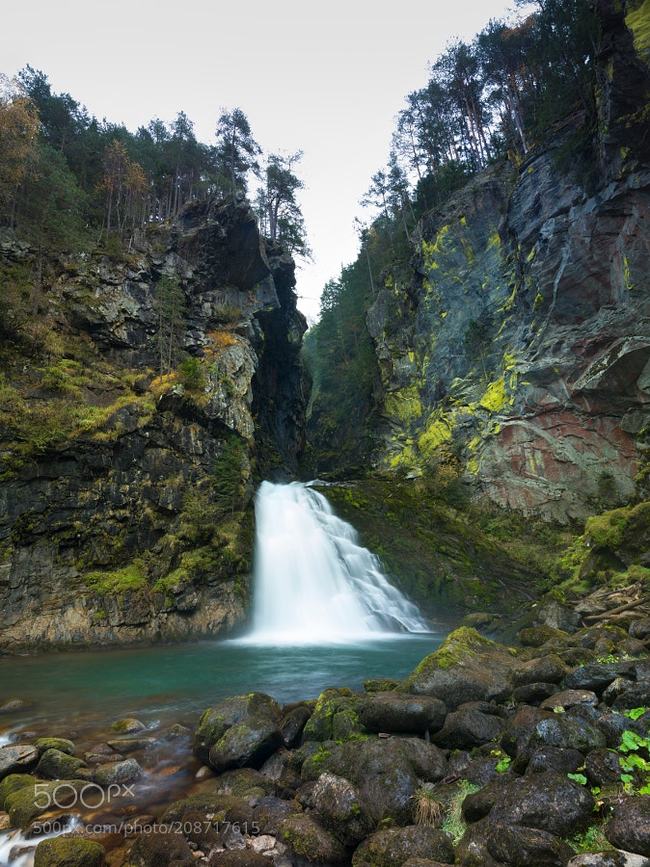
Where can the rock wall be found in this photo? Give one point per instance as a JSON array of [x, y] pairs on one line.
[[516, 353], [125, 494]]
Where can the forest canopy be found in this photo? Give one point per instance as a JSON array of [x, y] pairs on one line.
[[69, 181]]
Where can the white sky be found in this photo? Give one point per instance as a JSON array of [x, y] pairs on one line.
[[327, 78]]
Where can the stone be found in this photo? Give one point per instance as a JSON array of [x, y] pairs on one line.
[[237, 710], [612, 858], [395, 846], [29, 801], [536, 636], [522, 847], [466, 667], [468, 727], [246, 743], [335, 717], [565, 760], [69, 852], [159, 850], [128, 726], [569, 698], [546, 669], [596, 676], [242, 858], [339, 805], [533, 693], [602, 767], [548, 801], [396, 712], [567, 732], [117, 773], [640, 629], [131, 744], [63, 745], [292, 724], [17, 757], [629, 827], [306, 837], [13, 705], [386, 773], [58, 765]]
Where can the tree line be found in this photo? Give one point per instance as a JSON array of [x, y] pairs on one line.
[[67, 178]]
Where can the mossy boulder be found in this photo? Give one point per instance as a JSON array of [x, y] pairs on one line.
[[536, 636], [466, 667], [335, 717], [159, 850], [340, 807], [309, 839], [255, 707], [63, 745], [395, 846], [128, 726], [58, 765], [12, 783], [69, 852], [399, 712], [117, 773], [385, 772], [29, 801]]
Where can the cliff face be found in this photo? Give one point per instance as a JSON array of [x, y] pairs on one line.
[[125, 495], [515, 354]]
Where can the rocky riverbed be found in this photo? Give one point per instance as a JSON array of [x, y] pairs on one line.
[[484, 755]]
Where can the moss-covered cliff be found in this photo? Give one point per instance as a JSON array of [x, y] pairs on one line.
[[126, 493], [513, 347]]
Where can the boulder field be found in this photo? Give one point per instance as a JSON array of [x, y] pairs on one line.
[[484, 755]]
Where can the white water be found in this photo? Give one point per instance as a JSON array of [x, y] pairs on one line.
[[314, 583]]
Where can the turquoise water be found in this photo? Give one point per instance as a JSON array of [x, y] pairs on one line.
[[174, 683]]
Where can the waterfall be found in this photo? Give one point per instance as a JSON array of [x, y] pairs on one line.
[[314, 583]]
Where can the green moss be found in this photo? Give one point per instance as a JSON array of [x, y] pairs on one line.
[[404, 404], [437, 432], [606, 530], [127, 578], [638, 20], [454, 824], [591, 840], [460, 645]]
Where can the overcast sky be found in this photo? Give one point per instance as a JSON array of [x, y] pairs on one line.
[[327, 78]]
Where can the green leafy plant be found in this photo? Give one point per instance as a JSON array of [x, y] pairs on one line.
[[578, 778], [503, 764], [635, 713]]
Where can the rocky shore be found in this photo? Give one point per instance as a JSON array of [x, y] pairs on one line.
[[484, 755]]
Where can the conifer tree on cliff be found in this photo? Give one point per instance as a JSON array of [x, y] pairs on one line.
[[277, 206], [237, 151]]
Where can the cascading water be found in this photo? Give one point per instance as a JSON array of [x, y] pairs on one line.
[[314, 583]]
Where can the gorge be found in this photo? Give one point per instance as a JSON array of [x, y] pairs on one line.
[[371, 593]]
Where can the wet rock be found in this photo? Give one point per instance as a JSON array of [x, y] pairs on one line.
[[160, 850], [270, 811], [128, 726], [596, 676], [477, 805], [306, 837], [254, 708], [386, 773], [569, 698], [396, 712], [63, 745], [602, 767], [338, 803], [613, 858], [548, 801], [533, 693], [468, 727], [617, 687], [566, 761], [244, 783], [520, 729], [17, 757], [546, 669], [536, 636], [247, 743], [636, 695], [69, 852], [472, 850], [466, 667], [29, 801], [59, 766], [335, 717], [117, 773], [395, 846], [640, 629], [522, 847], [567, 732], [12, 783], [292, 724], [178, 731], [131, 745], [629, 827], [13, 705], [381, 684]]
